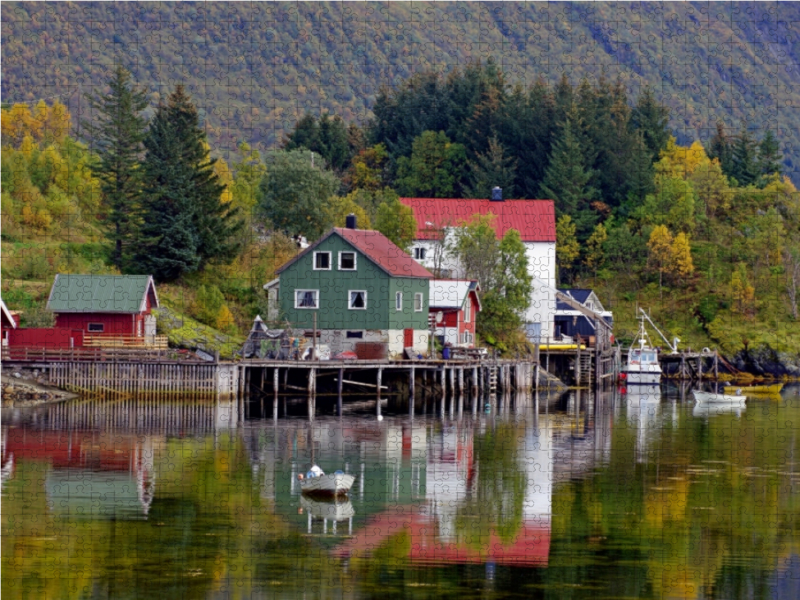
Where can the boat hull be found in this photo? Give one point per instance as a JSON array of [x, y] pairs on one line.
[[643, 377], [327, 485], [755, 390], [712, 398]]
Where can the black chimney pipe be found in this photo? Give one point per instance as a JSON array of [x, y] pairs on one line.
[[497, 194], [350, 221]]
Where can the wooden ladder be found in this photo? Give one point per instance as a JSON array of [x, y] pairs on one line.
[[493, 379]]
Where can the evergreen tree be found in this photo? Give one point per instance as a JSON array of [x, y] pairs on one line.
[[745, 159], [490, 169], [769, 155], [434, 169], [116, 135], [185, 223], [651, 119], [567, 179]]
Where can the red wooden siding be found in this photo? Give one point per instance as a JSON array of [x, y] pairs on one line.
[[118, 324], [45, 338]]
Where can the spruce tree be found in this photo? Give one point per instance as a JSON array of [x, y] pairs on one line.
[[719, 147], [651, 118], [567, 181], [492, 168], [115, 135], [769, 155], [186, 225], [745, 159]]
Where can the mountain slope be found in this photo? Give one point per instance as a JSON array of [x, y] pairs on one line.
[[254, 68]]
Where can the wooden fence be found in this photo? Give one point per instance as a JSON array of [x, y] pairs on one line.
[[97, 354], [152, 342]]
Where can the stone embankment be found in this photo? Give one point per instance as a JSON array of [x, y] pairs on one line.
[[26, 386]]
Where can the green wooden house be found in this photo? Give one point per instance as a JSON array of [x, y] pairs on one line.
[[361, 287]]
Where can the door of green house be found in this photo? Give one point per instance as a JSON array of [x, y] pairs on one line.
[[408, 338]]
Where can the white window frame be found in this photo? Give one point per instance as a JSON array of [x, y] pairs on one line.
[[350, 299], [102, 327], [330, 262], [419, 303], [297, 304], [467, 338], [355, 260], [468, 310], [398, 301]]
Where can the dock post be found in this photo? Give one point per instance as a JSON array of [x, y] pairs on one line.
[[275, 380], [716, 366], [411, 383], [312, 376], [578, 365], [339, 386], [474, 383], [378, 403], [700, 366], [444, 392]]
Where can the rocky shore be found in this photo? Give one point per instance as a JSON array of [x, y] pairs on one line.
[[25, 387]]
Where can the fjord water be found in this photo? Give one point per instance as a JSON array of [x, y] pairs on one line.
[[633, 494]]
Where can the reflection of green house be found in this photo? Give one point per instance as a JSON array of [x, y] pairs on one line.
[[360, 287]]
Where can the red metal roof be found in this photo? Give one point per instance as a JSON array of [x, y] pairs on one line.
[[383, 252], [534, 219]]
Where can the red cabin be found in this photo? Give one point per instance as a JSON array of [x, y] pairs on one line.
[[105, 305], [457, 301]]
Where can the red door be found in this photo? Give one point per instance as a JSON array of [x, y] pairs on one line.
[[408, 338]]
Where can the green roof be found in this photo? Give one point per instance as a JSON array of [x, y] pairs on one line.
[[101, 293]]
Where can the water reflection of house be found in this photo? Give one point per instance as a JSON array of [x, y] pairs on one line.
[[452, 475], [93, 475]]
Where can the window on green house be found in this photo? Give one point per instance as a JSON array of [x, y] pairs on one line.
[[347, 261], [418, 306], [358, 299], [322, 261], [398, 301], [306, 298]]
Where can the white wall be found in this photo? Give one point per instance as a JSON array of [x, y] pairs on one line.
[[541, 263]]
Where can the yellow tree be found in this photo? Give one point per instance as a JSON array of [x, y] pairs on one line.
[[681, 266], [15, 123], [660, 251], [742, 292], [567, 248], [338, 207], [595, 253]]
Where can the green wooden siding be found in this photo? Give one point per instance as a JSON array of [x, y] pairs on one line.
[[334, 288]]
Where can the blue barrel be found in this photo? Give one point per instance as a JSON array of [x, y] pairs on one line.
[[446, 353]]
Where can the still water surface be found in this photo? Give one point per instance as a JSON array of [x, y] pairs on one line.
[[628, 495]]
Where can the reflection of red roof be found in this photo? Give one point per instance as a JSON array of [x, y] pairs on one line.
[[375, 246], [65, 449], [530, 547], [534, 219]]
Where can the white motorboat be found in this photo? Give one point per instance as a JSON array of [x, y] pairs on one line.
[[709, 409], [317, 482], [335, 511], [643, 366], [714, 398]]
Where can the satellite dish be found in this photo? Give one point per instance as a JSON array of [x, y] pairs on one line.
[[439, 317]]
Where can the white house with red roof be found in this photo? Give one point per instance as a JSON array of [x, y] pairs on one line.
[[534, 219]]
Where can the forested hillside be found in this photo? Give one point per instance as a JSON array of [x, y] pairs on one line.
[[254, 69]]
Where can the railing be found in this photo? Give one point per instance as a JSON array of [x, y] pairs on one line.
[[97, 354], [155, 342]]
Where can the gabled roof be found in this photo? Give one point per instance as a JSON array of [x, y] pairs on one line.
[[582, 295], [451, 293], [534, 219], [376, 247], [101, 293], [8, 319]]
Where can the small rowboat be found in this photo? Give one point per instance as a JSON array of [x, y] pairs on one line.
[[755, 390], [710, 397], [317, 483]]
